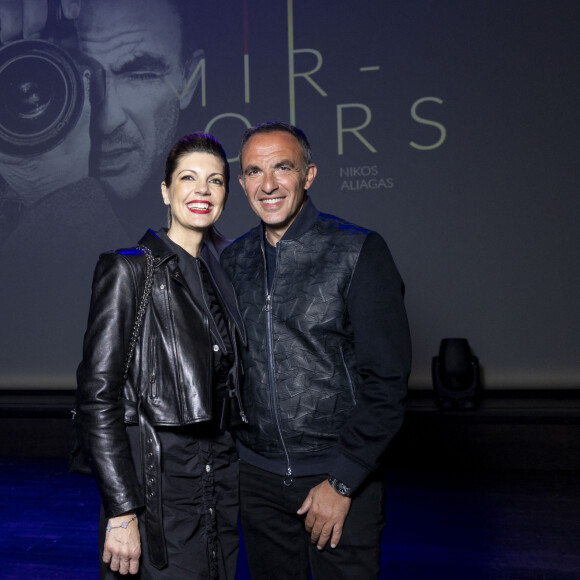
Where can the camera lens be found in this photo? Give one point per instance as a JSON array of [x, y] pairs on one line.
[[42, 97]]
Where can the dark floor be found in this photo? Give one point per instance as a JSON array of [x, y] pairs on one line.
[[457, 526], [492, 494]]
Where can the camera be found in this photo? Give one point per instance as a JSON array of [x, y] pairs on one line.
[[43, 92]]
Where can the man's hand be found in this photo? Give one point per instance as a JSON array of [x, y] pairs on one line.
[[326, 511], [122, 547], [32, 178], [27, 18]]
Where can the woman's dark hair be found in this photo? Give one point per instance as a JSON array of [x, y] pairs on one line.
[[196, 143]]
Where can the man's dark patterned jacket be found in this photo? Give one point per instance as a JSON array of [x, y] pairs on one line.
[[328, 352]]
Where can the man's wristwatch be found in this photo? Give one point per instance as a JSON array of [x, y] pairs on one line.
[[340, 487]]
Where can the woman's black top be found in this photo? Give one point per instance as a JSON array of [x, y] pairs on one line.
[[199, 282]]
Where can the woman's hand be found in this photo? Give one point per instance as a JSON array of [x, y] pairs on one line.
[[122, 547]]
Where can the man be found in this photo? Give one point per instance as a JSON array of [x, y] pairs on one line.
[[326, 368], [148, 65], [57, 214]]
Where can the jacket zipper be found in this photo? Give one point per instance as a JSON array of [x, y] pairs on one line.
[[236, 390], [271, 367], [153, 363]]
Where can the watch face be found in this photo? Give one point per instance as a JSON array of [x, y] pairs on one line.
[[339, 487]]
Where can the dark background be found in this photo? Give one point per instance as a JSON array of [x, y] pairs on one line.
[[476, 191]]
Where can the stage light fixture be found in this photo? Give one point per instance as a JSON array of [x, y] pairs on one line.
[[455, 375]]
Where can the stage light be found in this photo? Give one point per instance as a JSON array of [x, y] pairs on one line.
[[455, 375]]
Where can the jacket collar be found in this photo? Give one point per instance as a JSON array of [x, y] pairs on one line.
[[209, 255], [302, 223], [160, 250]]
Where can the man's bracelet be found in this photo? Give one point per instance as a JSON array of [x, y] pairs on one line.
[[340, 487], [123, 524]]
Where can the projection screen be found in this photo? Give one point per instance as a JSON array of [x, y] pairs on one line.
[[450, 127]]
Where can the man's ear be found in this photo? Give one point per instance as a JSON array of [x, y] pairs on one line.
[[192, 75], [310, 175], [241, 180]]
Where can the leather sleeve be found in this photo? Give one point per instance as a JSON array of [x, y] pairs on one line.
[[100, 414]]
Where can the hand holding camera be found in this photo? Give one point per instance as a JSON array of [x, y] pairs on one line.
[[28, 18], [45, 108]]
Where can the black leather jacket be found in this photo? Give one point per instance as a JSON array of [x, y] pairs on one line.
[[170, 380]]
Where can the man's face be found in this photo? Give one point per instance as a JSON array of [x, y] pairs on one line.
[[274, 178], [138, 44]]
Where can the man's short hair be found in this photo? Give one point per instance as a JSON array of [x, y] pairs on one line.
[[273, 126]]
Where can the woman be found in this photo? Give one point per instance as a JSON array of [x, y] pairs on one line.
[[165, 466]]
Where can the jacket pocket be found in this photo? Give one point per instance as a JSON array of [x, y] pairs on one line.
[[348, 377]]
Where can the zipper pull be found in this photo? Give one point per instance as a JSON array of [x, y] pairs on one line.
[[288, 479], [268, 306]]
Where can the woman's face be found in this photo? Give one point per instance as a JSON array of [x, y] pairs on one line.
[[197, 193]]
